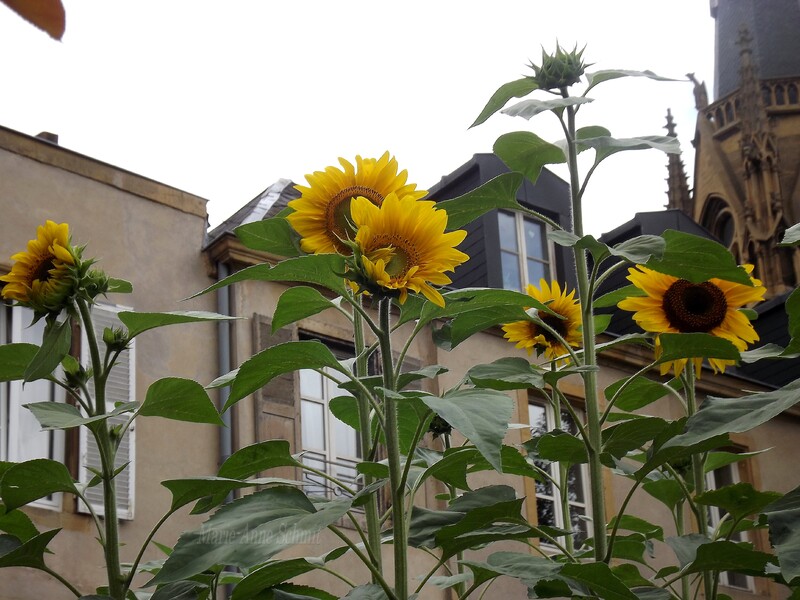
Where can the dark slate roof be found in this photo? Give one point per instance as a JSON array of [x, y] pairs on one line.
[[264, 206], [773, 25]]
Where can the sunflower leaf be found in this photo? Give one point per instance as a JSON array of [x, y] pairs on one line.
[[181, 400], [498, 192], [640, 249], [784, 535], [736, 415], [119, 286], [676, 346], [606, 146], [298, 303], [513, 89], [527, 109], [697, 259], [274, 235], [139, 322], [599, 77], [509, 373], [33, 479], [527, 153], [14, 360], [617, 296], [55, 346], [791, 237]]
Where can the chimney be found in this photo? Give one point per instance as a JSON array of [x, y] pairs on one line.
[[48, 137]]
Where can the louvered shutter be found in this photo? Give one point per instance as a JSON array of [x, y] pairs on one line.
[[120, 387]]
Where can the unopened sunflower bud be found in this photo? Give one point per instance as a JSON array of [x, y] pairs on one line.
[[94, 283], [75, 376], [439, 427], [115, 339], [559, 70]]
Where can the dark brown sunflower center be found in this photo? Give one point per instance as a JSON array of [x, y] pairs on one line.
[[559, 325], [42, 272], [404, 255], [337, 212], [694, 307]]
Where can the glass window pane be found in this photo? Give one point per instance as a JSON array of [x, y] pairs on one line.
[[580, 527], [315, 485], [508, 232], [312, 425], [345, 440], [536, 271], [537, 417], [535, 244], [511, 275], [546, 512], [575, 484], [310, 384]]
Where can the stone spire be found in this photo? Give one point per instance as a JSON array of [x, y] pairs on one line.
[[677, 186]]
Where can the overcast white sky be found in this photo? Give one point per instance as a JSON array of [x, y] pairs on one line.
[[222, 98]]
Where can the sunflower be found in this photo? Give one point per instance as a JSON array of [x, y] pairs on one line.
[[42, 277], [675, 305], [402, 246], [531, 335], [322, 213]]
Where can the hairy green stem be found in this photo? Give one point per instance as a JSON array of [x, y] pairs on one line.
[[361, 368], [589, 353], [62, 580], [400, 542], [107, 449]]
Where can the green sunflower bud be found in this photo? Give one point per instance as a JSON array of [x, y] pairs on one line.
[[115, 339], [94, 283], [559, 70]]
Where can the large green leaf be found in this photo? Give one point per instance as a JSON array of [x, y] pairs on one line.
[[559, 446], [509, 373], [695, 345], [628, 436], [599, 77], [57, 415], [715, 460], [527, 153], [729, 556], [319, 269], [186, 491], [298, 303], [718, 416], [697, 259], [181, 400], [640, 248], [499, 192], [606, 146], [139, 322], [793, 312], [255, 458], [261, 368], [482, 416], [784, 534], [274, 235], [179, 590], [739, 500], [55, 346], [33, 479], [119, 286], [529, 569], [18, 524], [632, 523], [249, 531], [14, 553], [617, 296], [512, 89], [528, 109], [600, 579], [638, 392], [791, 237], [466, 324], [468, 300], [664, 449], [368, 591], [14, 360], [276, 572], [452, 466], [667, 491]]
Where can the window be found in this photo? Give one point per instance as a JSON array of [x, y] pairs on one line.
[[548, 502], [727, 475], [120, 388], [329, 445], [524, 251], [21, 437]]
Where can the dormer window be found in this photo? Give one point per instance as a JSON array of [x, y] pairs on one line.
[[525, 254]]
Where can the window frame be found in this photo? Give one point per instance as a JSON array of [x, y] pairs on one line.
[[521, 254], [558, 514]]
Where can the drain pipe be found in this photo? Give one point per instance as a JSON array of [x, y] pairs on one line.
[[224, 366]]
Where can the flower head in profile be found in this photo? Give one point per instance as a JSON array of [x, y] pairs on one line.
[[673, 305], [402, 246], [43, 276], [532, 336], [322, 213]]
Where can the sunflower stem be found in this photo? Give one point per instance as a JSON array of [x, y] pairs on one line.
[[698, 471], [590, 356], [400, 542], [563, 471], [107, 450], [365, 439]]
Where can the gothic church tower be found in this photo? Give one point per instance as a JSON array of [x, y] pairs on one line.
[[747, 141]]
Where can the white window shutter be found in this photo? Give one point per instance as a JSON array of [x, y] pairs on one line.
[[120, 388]]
